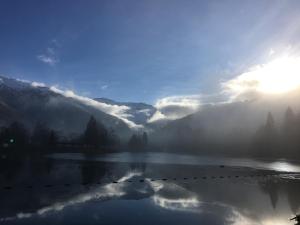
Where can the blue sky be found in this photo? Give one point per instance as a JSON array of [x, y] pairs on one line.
[[138, 50]]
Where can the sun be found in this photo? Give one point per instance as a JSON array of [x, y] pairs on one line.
[[278, 76]]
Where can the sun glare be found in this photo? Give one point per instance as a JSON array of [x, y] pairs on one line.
[[278, 76]]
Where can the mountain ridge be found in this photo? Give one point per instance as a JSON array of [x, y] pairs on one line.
[[29, 104]]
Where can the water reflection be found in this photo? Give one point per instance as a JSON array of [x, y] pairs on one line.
[[45, 189], [180, 159]]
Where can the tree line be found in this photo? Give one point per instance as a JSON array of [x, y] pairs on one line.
[[270, 139], [278, 140], [94, 136]]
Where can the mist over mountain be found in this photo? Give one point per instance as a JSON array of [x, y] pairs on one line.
[[67, 112], [139, 113], [206, 128], [230, 126], [29, 104]]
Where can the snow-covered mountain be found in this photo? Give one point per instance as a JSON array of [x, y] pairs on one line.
[[32, 102], [139, 113], [63, 111]]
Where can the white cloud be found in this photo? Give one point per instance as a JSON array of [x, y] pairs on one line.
[[38, 84], [175, 107], [276, 77], [157, 116], [48, 59], [104, 87], [145, 111], [271, 52], [119, 111], [191, 101]]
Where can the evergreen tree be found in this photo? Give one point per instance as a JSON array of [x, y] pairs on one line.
[[53, 138], [18, 135], [145, 139], [270, 125], [113, 138], [4, 136], [290, 132], [95, 134], [266, 139], [41, 134], [289, 120], [103, 134], [134, 142], [91, 133]]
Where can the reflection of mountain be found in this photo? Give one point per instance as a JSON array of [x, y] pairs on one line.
[[293, 195], [225, 201], [92, 172], [271, 188]]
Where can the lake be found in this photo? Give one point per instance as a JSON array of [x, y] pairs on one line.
[[147, 188]]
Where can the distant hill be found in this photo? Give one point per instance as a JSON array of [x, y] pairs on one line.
[[226, 127]]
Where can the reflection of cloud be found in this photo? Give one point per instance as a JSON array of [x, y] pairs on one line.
[[188, 204], [173, 197], [236, 218], [107, 191], [175, 107], [119, 111]]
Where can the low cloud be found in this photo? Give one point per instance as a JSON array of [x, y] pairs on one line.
[[190, 101], [119, 111], [38, 84], [157, 116], [175, 107], [147, 112]]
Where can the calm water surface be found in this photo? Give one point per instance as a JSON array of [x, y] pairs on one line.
[[152, 188]]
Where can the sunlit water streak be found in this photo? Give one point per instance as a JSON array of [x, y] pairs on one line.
[[180, 159]]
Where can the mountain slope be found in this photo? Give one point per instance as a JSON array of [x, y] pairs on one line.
[[139, 113], [21, 101], [228, 124]]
